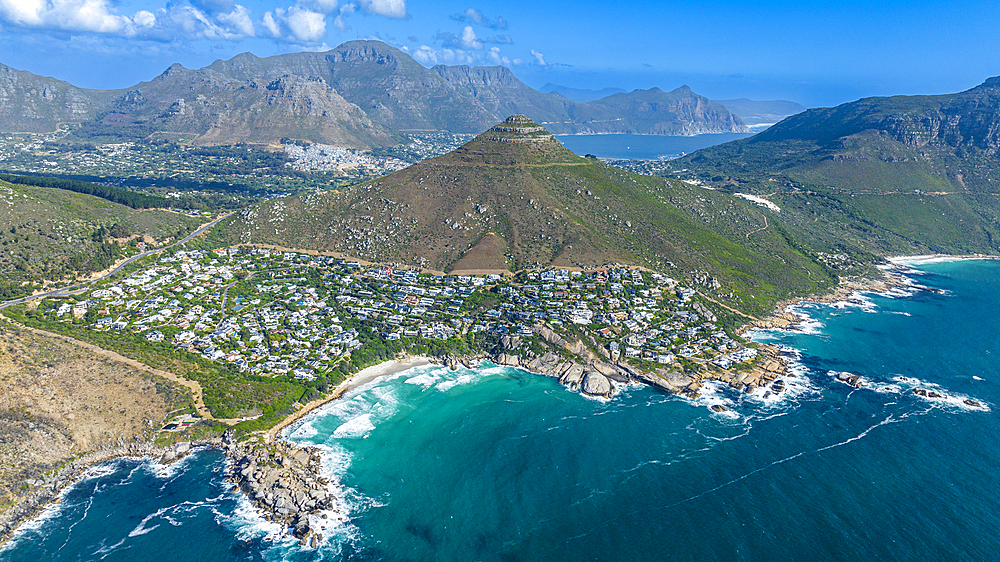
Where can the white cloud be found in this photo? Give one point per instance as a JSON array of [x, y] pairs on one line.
[[322, 6], [387, 8], [473, 15], [171, 23], [239, 20], [306, 25], [429, 56], [142, 18], [70, 15], [187, 22], [271, 25], [296, 24], [469, 40], [539, 58], [494, 56]]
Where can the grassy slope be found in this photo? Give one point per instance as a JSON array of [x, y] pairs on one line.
[[551, 208], [907, 174], [44, 229]]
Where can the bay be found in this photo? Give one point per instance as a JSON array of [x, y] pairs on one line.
[[500, 464], [643, 147]]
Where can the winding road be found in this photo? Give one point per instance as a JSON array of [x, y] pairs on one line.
[[61, 292]]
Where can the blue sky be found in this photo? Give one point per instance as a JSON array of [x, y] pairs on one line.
[[817, 54]]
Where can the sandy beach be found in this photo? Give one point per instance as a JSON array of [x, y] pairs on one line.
[[362, 377], [937, 258]]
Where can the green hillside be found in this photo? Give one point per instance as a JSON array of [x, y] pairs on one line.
[[905, 174], [514, 198], [52, 234]]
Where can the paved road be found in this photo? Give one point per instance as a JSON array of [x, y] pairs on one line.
[[68, 290]]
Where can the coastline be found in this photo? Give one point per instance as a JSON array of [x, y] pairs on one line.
[[892, 277], [34, 504], [937, 258], [362, 377]]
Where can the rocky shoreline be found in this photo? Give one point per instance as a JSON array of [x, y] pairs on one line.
[[284, 483], [783, 319], [47, 491], [598, 376]]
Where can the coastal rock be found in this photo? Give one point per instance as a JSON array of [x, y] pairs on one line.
[[573, 376], [508, 360], [596, 384], [671, 381], [551, 337], [851, 379], [611, 372], [283, 481]]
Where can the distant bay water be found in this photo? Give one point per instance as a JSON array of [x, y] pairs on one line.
[[643, 147], [500, 464]]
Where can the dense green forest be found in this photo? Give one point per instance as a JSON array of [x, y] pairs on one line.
[[125, 197]]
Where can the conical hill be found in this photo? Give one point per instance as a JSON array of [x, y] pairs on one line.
[[514, 198]]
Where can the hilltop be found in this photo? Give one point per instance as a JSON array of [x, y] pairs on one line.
[[360, 94], [680, 112], [889, 175], [514, 198]]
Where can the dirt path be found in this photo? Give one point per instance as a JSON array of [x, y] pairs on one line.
[[193, 386], [759, 229], [729, 308]]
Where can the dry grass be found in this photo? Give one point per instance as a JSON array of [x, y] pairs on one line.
[[59, 401]]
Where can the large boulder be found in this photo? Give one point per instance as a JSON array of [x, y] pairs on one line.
[[572, 376], [301, 528], [596, 384]]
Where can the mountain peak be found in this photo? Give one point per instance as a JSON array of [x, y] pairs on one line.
[[516, 141], [518, 129], [172, 70]]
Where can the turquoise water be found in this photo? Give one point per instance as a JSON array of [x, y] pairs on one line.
[[643, 147], [498, 464]]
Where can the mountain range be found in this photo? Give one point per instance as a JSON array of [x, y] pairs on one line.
[[901, 174], [359, 94]]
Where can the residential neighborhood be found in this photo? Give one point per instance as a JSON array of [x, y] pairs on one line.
[[275, 313]]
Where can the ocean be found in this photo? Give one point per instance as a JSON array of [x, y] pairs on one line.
[[643, 147], [500, 464]]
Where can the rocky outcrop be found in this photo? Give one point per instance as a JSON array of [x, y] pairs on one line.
[[47, 489], [596, 384], [284, 482], [595, 377]]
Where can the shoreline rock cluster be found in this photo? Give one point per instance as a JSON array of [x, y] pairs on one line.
[[893, 280], [284, 483], [47, 490], [599, 376]]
